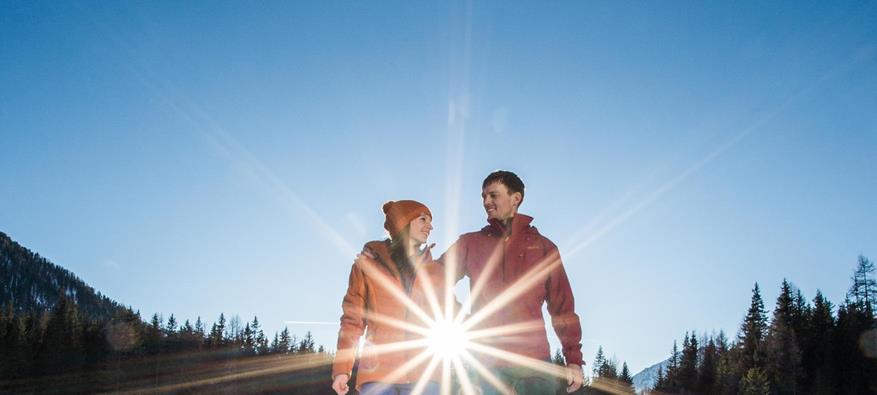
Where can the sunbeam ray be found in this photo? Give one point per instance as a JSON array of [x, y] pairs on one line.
[[711, 156], [491, 378], [206, 125], [396, 323], [387, 348], [521, 360], [535, 275], [493, 261], [246, 370], [465, 383], [373, 270], [510, 329], [403, 369], [432, 299], [424, 378]]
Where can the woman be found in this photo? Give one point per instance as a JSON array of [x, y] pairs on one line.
[[402, 287]]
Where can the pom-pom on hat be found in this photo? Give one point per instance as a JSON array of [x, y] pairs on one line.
[[400, 213]]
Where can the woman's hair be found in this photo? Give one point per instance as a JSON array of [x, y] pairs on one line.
[[399, 255]]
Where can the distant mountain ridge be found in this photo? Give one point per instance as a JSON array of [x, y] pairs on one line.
[[646, 379], [31, 283]]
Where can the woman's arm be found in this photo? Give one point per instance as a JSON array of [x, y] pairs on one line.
[[352, 323]]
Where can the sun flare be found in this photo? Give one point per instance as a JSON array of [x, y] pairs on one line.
[[447, 339]]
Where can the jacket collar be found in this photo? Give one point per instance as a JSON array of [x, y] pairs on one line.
[[518, 224], [382, 250]]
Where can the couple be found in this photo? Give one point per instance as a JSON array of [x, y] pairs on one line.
[[396, 287]]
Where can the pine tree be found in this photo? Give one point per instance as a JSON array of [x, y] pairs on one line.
[[558, 358], [306, 346], [599, 361], [172, 337], [283, 347], [154, 335], [800, 318], [752, 334], [852, 321], [755, 382], [261, 340], [727, 369], [61, 348], [785, 304], [275, 345], [669, 379], [673, 369], [688, 364], [625, 376], [217, 333], [819, 364], [16, 356], [200, 332], [660, 380], [187, 337], [864, 288], [171, 326], [609, 370], [783, 358], [706, 371], [248, 346]]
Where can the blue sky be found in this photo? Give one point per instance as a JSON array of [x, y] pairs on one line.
[[229, 157]]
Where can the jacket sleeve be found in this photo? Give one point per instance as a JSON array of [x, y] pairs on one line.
[[352, 323], [561, 307], [455, 259]]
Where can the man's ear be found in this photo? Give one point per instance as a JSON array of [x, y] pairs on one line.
[[516, 199]]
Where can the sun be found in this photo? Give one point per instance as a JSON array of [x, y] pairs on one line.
[[447, 339]]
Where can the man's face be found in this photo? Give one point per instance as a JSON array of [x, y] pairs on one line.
[[498, 202]]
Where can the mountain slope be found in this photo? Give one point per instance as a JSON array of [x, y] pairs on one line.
[[30, 283], [647, 378]]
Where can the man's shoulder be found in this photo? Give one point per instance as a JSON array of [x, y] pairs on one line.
[[475, 234], [372, 252], [534, 232]]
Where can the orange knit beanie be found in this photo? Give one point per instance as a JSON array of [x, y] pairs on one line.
[[400, 213]]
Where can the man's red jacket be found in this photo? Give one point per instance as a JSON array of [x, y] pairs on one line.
[[512, 272]]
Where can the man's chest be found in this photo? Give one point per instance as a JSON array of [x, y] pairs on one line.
[[504, 260]]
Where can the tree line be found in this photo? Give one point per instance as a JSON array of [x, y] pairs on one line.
[[803, 348], [63, 350], [605, 377]]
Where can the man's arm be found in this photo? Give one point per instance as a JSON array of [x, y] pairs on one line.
[[566, 323], [454, 260], [561, 307]]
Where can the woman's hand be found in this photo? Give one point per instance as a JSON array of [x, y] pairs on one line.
[[340, 384]]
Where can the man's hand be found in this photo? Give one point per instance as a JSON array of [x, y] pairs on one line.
[[574, 377], [340, 384], [366, 253]]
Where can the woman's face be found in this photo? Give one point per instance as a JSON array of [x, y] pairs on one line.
[[420, 228]]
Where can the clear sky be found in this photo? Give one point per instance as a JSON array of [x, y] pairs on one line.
[[204, 157]]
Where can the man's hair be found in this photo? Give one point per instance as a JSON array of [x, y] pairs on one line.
[[507, 178]]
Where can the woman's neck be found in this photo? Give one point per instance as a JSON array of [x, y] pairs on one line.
[[412, 248]]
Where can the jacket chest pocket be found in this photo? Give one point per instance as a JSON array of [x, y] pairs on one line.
[[533, 260], [531, 255]]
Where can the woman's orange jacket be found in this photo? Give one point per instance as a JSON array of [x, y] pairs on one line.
[[394, 321]]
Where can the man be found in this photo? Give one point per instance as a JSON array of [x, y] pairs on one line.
[[513, 270]]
